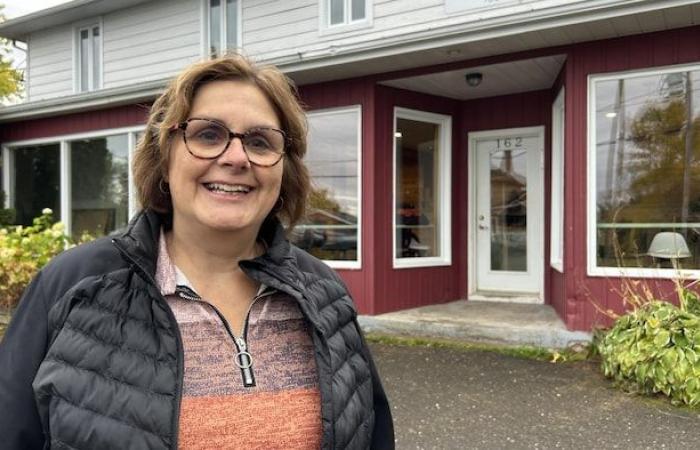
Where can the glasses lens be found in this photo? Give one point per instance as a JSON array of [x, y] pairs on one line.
[[264, 145], [205, 139]]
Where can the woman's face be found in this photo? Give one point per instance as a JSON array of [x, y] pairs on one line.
[[227, 193]]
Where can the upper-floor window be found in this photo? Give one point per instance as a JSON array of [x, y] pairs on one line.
[[224, 25], [346, 12], [89, 58]]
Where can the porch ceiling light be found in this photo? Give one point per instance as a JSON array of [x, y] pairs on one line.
[[669, 245], [474, 78]]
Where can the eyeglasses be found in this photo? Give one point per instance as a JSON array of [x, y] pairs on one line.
[[209, 139]]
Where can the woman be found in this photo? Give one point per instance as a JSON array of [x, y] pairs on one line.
[[199, 326]]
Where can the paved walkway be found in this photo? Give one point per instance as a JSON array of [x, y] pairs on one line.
[[454, 399], [480, 321]]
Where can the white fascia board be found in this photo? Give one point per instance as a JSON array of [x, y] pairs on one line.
[[456, 32], [83, 101]]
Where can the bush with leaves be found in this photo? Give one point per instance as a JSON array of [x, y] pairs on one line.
[[655, 348], [7, 216], [25, 250]]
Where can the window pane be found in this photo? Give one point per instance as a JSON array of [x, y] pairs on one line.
[[36, 181], [331, 227], [337, 11], [648, 168], [417, 150], [99, 184], [231, 24], [84, 60], [96, 55], [214, 27], [358, 9]]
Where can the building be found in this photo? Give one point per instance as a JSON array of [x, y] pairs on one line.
[[521, 150]]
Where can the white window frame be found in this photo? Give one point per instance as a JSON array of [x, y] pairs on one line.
[[556, 242], [206, 42], [64, 215], [593, 269], [324, 18], [77, 80], [346, 264], [443, 184]]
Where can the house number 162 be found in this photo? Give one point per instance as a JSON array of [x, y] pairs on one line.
[[509, 142]]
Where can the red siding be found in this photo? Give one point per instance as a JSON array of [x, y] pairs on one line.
[[407, 288], [346, 93], [630, 53], [120, 116]]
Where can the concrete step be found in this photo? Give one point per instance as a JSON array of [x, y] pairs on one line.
[[480, 321]]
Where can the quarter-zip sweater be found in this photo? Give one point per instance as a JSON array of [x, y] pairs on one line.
[[251, 388], [94, 357]]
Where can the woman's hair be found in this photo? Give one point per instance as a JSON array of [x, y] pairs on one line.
[[174, 105]]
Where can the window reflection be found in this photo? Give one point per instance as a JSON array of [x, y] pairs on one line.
[[99, 184], [647, 166], [330, 230], [36, 181]]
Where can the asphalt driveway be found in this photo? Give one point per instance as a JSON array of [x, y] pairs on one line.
[[456, 399]]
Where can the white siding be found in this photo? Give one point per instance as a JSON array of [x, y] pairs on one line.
[[151, 41], [51, 64]]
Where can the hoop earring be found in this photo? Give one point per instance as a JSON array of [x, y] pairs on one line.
[[163, 187], [278, 205]]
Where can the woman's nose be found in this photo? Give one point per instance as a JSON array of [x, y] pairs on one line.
[[235, 154]]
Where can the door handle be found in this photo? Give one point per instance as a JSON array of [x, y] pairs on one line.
[[483, 227]]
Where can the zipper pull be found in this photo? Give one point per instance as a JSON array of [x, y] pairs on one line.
[[244, 361]]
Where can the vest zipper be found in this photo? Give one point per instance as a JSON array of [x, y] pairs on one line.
[[242, 359]]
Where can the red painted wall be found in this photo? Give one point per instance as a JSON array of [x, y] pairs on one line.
[[630, 53], [346, 93], [120, 116]]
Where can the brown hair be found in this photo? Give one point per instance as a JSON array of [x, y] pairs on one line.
[[173, 106]]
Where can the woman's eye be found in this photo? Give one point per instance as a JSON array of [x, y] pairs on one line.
[[257, 142], [209, 136]]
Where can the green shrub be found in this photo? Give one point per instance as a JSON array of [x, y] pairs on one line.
[[656, 349], [25, 250], [7, 216]]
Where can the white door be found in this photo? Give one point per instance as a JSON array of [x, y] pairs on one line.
[[507, 168]]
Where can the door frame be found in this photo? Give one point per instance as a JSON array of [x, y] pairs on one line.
[[472, 291]]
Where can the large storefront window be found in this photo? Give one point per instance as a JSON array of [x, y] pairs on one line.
[[646, 144], [99, 184], [422, 188], [83, 179], [331, 228], [36, 182]]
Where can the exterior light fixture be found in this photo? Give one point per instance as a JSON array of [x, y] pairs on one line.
[[398, 134], [611, 115], [474, 78]]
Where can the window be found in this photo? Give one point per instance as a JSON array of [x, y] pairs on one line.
[[557, 234], [422, 214], [89, 58], [224, 24], [344, 14], [644, 170], [35, 181], [99, 184], [331, 230], [84, 179]]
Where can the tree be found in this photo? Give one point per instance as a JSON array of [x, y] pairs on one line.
[[10, 78]]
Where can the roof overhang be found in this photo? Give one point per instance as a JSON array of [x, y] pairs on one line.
[[18, 29]]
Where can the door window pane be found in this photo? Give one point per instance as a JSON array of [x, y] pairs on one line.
[[508, 208], [647, 144], [330, 230], [99, 184], [417, 205], [36, 181]]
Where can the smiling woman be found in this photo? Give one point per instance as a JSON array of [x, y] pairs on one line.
[[200, 325]]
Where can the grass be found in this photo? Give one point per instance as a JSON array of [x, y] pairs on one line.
[[524, 352]]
